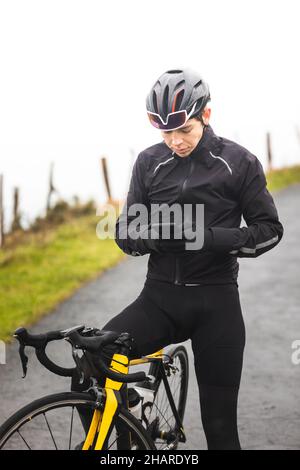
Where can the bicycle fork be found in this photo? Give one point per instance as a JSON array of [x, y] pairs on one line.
[[102, 419]]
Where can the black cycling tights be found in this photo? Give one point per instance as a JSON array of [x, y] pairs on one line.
[[211, 317]]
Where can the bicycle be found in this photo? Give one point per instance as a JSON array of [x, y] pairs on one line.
[[98, 412]]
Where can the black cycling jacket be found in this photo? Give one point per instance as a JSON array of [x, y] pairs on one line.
[[230, 182]]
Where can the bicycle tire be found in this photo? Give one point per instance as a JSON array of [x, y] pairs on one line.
[[177, 353], [37, 408]]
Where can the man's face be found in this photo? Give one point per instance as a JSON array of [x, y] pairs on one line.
[[183, 141]]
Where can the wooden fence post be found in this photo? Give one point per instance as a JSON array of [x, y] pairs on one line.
[[269, 152], [51, 188], [1, 213], [106, 178], [16, 223]]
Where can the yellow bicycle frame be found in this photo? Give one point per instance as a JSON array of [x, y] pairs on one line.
[[102, 421]]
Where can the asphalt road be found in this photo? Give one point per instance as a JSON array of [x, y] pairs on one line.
[[269, 402]]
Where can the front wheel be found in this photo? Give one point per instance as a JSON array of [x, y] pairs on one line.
[[53, 423]]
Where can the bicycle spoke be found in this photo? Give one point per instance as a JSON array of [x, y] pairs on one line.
[[162, 416], [157, 405], [167, 400], [164, 397], [70, 439], [29, 448], [50, 432], [113, 442], [118, 437], [166, 403]]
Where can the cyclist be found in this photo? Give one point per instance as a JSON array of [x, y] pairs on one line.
[[193, 294]]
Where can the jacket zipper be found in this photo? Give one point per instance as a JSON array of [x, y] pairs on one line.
[[183, 187]]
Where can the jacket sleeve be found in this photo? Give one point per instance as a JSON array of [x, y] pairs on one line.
[[137, 194], [263, 231]]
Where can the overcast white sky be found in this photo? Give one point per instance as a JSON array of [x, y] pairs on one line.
[[75, 75]]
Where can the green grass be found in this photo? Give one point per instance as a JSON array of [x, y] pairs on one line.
[[279, 179], [44, 270]]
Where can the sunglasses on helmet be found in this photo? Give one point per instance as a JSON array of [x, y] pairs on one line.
[[173, 121]]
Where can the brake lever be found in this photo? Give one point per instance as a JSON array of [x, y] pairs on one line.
[[24, 359], [75, 354]]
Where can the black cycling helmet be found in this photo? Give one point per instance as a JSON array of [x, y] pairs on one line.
[[176, 96]]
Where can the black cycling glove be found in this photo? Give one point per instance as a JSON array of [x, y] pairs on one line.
[[154, 241]]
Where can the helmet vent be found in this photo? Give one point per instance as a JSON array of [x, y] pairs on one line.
[[178, 100], [179, 85], [154, 101], [174, 71], [165, 103], [198, 84]]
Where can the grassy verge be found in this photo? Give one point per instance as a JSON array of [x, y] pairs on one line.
[[40, 270], [279, 179], [47, 268]]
